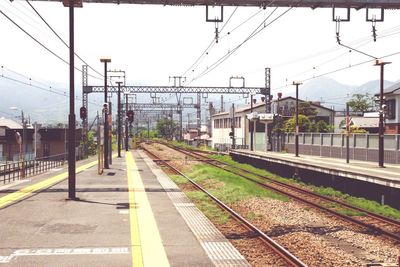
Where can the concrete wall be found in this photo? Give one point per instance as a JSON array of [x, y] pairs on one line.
[[362, 146]]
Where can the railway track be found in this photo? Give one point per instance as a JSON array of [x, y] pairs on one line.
[[375, 223], [286, 255]]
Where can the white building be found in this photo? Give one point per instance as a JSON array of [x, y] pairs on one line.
[[222, 122], [392, 101]]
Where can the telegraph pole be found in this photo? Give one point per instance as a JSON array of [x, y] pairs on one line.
[[110, 132], [381, 114], [267, 93], [126, 124], [119, 119], [198, 115], [297, 118], [233, 126], [347, 133], [106, 165], [71, 117], [251, 124]]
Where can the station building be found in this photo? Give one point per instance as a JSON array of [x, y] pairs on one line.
[[286, 107], [49, 141]]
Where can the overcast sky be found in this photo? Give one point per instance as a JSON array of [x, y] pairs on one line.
[[152, 43]]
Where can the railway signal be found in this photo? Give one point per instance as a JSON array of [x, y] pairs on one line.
[[83, 113], [131, 115]]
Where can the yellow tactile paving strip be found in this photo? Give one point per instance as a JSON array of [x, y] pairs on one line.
[[147, 247], [29, 190]]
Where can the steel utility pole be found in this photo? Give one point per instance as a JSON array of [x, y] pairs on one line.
[[233, 126], [278, 147], [126, 124], [297, 118], [251, 124], [347, 134], [106, 165], [381, 113], [110, 132], [267, 93], [119, 119], [198, 116], [71, 117]]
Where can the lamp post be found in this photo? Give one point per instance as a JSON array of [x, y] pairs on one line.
[[119, 119], [381, 111], [105, 61], [297, 118]]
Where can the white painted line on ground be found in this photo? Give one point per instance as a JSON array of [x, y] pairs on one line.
[[64, 251]]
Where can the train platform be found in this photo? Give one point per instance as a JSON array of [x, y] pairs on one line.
[[359, 170], [358, 178], [131, 215]]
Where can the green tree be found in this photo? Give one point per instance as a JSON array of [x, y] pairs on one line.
[[321, 127], [166, 128], [306, 109], [304, 124], [361, 102], [90, 144]]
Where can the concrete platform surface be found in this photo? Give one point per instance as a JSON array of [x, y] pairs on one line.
[[360, 170], [127, 216]]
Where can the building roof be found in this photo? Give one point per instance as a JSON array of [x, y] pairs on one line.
[[9, 123], [393, 89], [256, 105], [363, 122]]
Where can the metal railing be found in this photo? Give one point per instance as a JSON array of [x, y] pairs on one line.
[[12, 171]]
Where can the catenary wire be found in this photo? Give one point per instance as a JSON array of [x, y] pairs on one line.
[[41, 44], [58, 36]]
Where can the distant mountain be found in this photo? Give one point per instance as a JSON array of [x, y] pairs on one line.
[[372, 87], [47, 107], [334, 94], [325, 89]]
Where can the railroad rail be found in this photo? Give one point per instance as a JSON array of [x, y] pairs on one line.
[[374, 222], [285, 254]]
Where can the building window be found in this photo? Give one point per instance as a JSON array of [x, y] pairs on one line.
[[237, 122], [391, 109]]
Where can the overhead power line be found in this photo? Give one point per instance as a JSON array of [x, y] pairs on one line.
[[208, 49], [49, 89], [340, 69], [58, 36], [256, 31], [41, 44]]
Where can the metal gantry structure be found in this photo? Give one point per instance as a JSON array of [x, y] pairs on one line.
[[357, 4], [71, 4], [200, 91]]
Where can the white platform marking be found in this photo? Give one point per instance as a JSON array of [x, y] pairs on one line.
[[63, 251]]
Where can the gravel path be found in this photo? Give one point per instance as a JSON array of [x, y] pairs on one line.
[[316, 238]]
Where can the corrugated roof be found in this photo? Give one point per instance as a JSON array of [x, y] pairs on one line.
[[394, 89], [363, 122], [258, 104], [10, 124]]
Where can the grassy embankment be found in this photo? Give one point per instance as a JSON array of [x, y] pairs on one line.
[[363, 203], [229, 188]]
